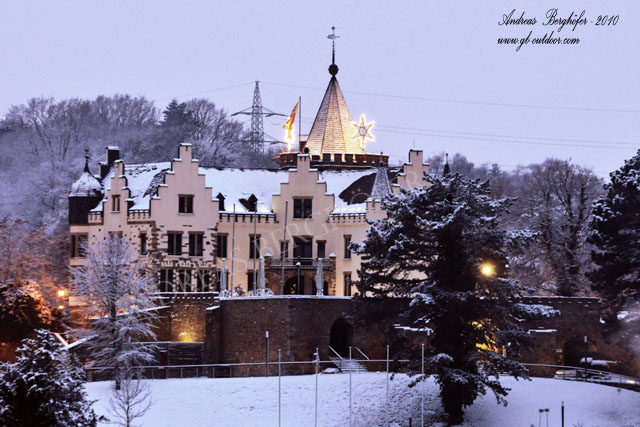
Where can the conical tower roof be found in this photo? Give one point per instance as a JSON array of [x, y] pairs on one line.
[[381, 184], [87, 185], [333, 130]]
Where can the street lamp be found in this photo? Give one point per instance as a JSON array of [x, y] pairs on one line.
[[61, 293], [487, 269], [299, 290]]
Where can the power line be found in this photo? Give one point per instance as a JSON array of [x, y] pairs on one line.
[[205, 91], [512, 136], [460, 101], [511, 139]]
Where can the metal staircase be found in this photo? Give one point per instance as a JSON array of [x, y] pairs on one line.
[[346, 365]]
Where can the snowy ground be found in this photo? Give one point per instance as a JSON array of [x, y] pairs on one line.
[[254, 402]]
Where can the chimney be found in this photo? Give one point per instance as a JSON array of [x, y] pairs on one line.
[[113, 154]]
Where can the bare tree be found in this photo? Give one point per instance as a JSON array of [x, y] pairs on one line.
[[215, 136], [555, 201], [118, 288], [131, 401]]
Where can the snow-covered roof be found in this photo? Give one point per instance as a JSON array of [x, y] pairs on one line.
[[140, 179], [357, 208], [237, 185], [86, 186]]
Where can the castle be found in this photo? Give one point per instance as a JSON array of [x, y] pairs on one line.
[[216, 235], [194, 222]]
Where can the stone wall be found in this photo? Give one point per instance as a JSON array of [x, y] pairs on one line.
[[297, 325], [184, 317], [579, 317]]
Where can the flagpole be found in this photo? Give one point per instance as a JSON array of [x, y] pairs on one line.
[[299, 123]]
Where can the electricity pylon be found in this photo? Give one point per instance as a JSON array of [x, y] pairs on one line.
[[257, 112]]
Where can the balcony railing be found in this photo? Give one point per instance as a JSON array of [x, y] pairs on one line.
[[305, 263]]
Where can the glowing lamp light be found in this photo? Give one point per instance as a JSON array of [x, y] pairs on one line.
[[185, 337], [363, 130], [61, 293], [487, 269], [61, 307], [289, 137]]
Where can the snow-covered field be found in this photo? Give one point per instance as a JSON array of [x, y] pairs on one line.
[[254, 402]]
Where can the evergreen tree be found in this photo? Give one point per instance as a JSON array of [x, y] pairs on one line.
[[434, 245], [615, 231], [175, 115], [119, 288], [44, 388]]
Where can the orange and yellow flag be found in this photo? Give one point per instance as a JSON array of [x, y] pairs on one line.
[[292, 117]]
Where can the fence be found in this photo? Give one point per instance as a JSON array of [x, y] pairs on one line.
[[352, 366]]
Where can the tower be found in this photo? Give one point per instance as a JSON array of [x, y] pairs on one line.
[[257, 112]]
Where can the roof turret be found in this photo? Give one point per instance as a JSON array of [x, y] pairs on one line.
[[381, 185], [87, 185]]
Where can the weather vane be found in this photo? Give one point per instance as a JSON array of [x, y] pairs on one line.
[[333, 68]]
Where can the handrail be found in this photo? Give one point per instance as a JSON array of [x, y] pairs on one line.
[[222, 365], [336, 353], [586, 370], [360, 351]]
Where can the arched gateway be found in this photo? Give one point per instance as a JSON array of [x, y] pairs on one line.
[[341, 336]]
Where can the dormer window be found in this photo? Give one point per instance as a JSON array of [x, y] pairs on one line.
[[115, 203], [250, 204], [220, 198], [185, 204]]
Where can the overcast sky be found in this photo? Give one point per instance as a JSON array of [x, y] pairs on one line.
[[431, 74]]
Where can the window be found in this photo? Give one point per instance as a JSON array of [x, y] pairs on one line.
[[143, 243], [113, 235], [347, 284], [184, 280], [284, 248], [115, 203], [166, 280], [174, 243], [78, 245], [221, 246], [185, 204], [195, 244], [251, 285], [302, 208], [203, 280], [302, 248], [347, 250], [321, 248], [254, 246]]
